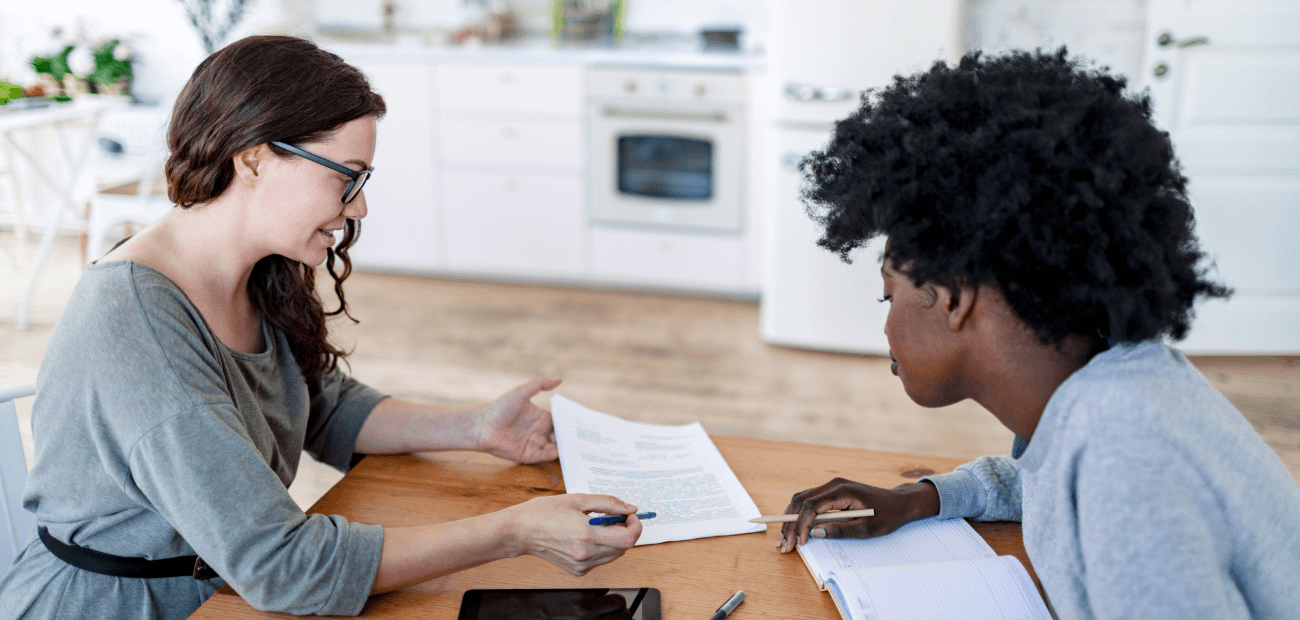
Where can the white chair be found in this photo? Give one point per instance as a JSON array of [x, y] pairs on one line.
[[140, 201], [15, 523], [129, 186]]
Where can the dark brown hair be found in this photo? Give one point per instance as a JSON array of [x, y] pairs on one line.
[[255, 91]]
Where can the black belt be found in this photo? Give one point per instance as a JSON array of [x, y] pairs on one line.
[[118, 566]]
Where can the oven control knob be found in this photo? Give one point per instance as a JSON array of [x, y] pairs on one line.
[[629, 86], [700, 90]]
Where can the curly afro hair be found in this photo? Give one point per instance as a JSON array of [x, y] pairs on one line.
[[1030, 170]]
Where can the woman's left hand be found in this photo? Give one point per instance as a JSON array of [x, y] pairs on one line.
[[513, 428]]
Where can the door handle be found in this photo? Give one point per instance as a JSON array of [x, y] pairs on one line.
[[1167, 39]]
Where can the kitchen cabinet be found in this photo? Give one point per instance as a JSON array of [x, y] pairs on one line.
[[528, 225], [401, 231], [667, 260], [509, 141], [517, 89], [510, 136], [481, 171]]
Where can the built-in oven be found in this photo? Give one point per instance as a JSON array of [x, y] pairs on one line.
[[666, 149]]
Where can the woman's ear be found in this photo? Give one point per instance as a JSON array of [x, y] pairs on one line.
[[248, 163], [960, 302]]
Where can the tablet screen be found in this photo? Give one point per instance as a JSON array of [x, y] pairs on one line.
[[571, 604]]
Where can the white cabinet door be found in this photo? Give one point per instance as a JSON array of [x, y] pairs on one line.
[[401, 229], [481, 88], [654, 259], [510, 141], [515, 224]]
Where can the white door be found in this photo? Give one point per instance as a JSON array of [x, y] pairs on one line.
[[1225, 80]]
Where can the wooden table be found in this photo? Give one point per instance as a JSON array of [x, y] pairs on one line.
[[694, 576]]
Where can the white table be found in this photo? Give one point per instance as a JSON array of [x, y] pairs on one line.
[[60, 176]]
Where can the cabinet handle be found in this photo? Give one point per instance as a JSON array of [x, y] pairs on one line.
[[508, 132], [665, 115]]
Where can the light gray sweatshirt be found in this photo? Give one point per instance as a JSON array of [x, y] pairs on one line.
[[1144, 494], [155, 440]]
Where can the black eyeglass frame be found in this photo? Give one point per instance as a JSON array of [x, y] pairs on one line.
[[358, 178]]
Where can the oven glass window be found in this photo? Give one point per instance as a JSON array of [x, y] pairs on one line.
[[665, 167]]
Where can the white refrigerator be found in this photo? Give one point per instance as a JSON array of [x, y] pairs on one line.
[[821, 55]]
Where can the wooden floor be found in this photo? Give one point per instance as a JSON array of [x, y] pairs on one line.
[[645, 357]]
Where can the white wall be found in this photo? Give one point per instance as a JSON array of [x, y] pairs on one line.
[[167, 45]]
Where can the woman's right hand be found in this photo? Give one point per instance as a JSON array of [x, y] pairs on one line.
[[894, 508], [556, 529]]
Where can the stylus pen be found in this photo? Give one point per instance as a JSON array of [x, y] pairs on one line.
[[612, 519], [726, 608]]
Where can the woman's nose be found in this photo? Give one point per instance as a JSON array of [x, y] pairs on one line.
[[356, 209]]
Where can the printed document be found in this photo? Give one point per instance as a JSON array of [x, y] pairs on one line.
[[673, 471]]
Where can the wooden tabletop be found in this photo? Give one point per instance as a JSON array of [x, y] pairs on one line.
[[694, 576]]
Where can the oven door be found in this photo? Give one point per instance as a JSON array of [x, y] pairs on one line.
[[666, 164]]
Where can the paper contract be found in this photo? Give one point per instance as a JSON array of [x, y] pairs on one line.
[[674, 471]]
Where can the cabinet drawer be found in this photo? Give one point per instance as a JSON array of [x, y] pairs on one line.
[[533, 89], [514, 224], [670, 260], [497, 141]]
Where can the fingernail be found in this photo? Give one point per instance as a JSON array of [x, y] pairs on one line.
[[818, 532], [780, 540]]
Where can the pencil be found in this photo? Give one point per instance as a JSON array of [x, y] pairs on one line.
[[825, 516]]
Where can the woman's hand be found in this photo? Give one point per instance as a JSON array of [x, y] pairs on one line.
[[513, 428], [556, 529], [894, 508]]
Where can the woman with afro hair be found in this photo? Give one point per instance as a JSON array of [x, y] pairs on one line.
[[1039, 249]]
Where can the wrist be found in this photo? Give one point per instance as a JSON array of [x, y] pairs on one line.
[[509, 530], [478, 435], [921, 499]]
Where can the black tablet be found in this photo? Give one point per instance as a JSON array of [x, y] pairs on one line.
[[568, 604]]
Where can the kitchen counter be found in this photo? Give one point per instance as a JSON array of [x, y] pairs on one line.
[[671, 52]]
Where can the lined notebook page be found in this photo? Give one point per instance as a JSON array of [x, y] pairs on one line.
[[996, 588], [927, 540]]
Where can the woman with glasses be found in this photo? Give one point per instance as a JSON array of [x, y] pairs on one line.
[[192, 367]]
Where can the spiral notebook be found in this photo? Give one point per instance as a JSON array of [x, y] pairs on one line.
[[928, 569]]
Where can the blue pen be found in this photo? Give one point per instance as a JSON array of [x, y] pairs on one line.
[[612, 519]]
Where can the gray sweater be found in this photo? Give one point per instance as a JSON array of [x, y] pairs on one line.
[[155, 440], [1144, 494]]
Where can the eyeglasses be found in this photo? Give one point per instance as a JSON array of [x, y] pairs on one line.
[[358, 178]]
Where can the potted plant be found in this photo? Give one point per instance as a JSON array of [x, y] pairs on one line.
[[112, 74], [51, 70]]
